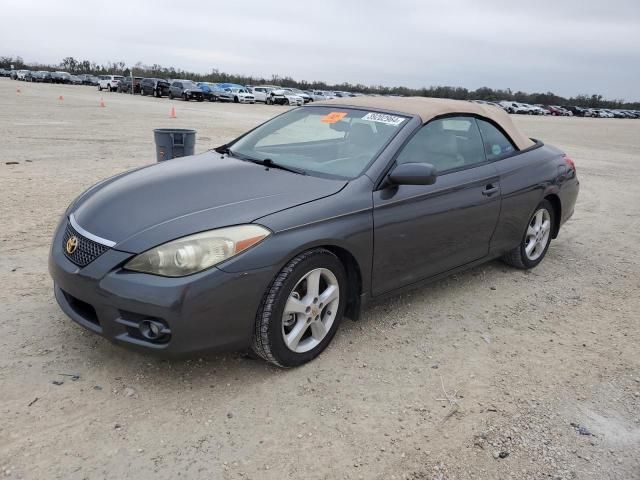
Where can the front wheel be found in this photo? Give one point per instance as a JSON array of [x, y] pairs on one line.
[[536, 240], [301, 310]]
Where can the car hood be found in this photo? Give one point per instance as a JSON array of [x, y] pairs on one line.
[[153, 205]]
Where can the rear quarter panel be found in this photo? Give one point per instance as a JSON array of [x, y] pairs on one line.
[[525, 180]]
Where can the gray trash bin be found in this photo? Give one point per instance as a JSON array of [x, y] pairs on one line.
[[174, 143]]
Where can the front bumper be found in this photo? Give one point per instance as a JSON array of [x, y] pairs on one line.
[[209, 311]]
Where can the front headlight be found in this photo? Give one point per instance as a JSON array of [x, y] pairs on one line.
[[198, 252]]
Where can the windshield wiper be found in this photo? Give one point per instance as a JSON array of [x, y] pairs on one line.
[[267, 162]]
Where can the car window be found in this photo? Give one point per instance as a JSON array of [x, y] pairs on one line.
[[496, 144], [446, 143]]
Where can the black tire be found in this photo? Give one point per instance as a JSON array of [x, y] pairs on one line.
[[184, 97], [287, 102], [143, 92], [517, 257], [99, 88], [235, 100], [268, 341], [170, 96]]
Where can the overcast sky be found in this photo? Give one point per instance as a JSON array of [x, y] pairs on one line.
[[565, 46]]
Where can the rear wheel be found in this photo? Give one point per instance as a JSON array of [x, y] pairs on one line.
[[301, 310], [536, 239]]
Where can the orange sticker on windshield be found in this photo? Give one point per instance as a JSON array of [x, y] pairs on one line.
[[333, 117]]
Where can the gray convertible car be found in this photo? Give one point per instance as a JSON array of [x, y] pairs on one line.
[[269, 241]]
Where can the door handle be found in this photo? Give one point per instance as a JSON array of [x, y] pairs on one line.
[[490, 190]]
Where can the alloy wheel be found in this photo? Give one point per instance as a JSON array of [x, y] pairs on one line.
[[538, 234], [310, 310]]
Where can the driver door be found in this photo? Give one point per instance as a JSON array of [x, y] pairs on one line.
[[423, 230]]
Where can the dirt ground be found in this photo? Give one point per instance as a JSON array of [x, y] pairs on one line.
[[541, 368]]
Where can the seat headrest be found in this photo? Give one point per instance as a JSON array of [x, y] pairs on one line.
[[441, 143], [361, 134]]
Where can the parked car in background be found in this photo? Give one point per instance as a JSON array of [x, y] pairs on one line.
[[22, 74], [296, 91], [185, 89], [631, 114], [260, 93], [207, 90], [41, 76], [4, 72], [236, 95], [61, 77], [315, 95], [88, 79], [341, 94], [278, 96], [156, 87], [555, 111], [515, 107], [540, 110], [125, 85], [75, 80], [109, 82], [576, 111]]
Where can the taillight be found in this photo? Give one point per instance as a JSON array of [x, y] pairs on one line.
[[570, 163]]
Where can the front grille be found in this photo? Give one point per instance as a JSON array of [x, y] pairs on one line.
[[86, 251]]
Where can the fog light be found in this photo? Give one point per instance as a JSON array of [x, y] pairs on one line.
[[151, 329]]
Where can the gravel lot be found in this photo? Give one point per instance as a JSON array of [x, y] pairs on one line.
[[541, 368]]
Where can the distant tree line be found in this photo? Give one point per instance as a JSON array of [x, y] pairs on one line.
[[73, 65]]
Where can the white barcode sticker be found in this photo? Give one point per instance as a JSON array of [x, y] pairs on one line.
[[384, 118]]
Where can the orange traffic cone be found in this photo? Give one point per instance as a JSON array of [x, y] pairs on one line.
[[102, 102], [173, 113], [61, 98]]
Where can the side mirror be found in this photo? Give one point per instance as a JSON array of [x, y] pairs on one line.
[[413, 174]]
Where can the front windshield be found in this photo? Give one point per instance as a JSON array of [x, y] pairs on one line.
[[329, 141], [189, 85]]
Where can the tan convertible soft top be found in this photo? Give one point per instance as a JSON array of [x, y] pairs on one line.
[[428, 108]]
